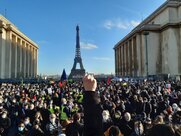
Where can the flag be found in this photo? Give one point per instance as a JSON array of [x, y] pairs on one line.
[[60, 84], [108, 81], [64, 76]]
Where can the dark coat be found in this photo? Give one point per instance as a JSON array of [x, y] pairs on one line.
[[93, 125], [74, 129]]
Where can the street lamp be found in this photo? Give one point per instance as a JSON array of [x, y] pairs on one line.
[[146, 33]]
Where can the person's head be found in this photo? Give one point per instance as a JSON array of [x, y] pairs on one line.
[[114, 131], [1, 107], [105, 115], [26, 120], [4, 114], [159, 120], [26, 106], [38, 115], [45, 105], [64, 101], [32, 106], [138, 128], [117, 115], [127, 116], [14, 100], [52, 118], [175, 107], [76, 117], [21, 126]]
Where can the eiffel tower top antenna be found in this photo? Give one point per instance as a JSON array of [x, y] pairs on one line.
[[77, 42]]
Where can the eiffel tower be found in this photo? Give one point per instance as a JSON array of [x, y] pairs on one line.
[[77, 73]]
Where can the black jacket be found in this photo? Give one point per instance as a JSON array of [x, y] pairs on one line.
[[93, 125], [74, 129]]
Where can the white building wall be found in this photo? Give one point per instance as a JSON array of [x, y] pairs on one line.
[[0, 50], [162, 18], [173, 15], [143, 55], [138, 43], [3, 53], [179, 13], [169, 52], [153, 51]]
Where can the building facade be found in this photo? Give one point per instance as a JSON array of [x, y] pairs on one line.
[[154, 46], [18, 54]]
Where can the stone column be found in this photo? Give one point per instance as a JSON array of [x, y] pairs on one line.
[[118, 61], [123, 51], [15, 58], [36, 61], [126, 58], [33, 62], [23, 59], [115, 61], [9, 54], [135, 56], [130, 58], [121, 60], [28, 60], [1, 32]]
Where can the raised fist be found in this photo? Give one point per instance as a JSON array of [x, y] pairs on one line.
[[90, 83]]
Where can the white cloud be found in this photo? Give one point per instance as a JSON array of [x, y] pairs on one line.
[[135, 23], [87, 46], [108, 24], [101, 58], [120, 24]]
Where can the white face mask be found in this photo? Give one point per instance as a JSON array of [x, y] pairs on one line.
[[138, 131], [105, 117], [20, 128], [26, 122], [4, 116], [52, 120]]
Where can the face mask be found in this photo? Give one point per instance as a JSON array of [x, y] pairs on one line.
[[26, 122], [5, 100], [138, 131], [20, 128], [52, 120], [105, 117], [4, 116]]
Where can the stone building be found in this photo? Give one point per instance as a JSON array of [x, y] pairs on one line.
[[18, 53], [154, 46]]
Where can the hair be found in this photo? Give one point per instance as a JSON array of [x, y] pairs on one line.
[[76, 117], [114, 131], [159, 120]]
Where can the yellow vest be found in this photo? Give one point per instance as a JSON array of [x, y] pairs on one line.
[[63, 115], [81, 98]]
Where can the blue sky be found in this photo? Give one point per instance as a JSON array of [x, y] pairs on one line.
[[51, 24]]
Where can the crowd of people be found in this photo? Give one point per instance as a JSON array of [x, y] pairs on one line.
[[88, 108]]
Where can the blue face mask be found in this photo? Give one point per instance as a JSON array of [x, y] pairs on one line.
[[21, 128]]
